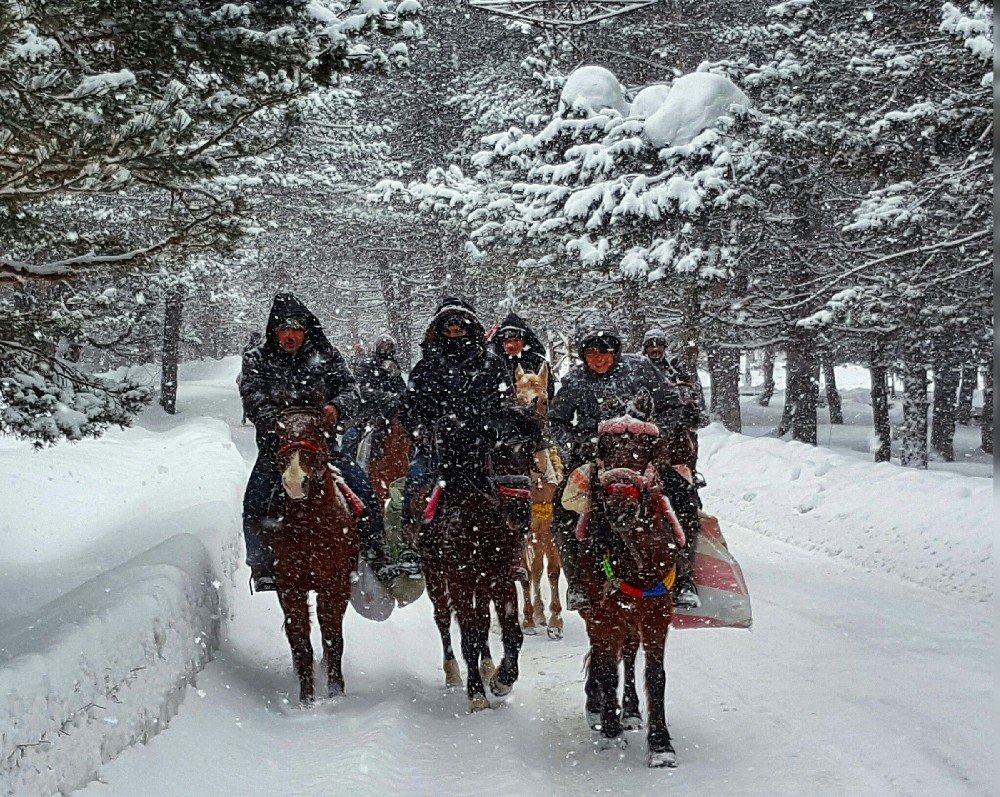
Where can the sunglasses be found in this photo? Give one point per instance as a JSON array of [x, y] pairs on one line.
[[656, 342], [511, 334]]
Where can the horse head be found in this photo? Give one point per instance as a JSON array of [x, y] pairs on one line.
[[630, 489], [303, 453], [532, 389]]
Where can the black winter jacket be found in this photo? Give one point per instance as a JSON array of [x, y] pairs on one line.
[[274, 380], [688, 388], [469, 383], [586, 398], [381, 386], [531, 358]]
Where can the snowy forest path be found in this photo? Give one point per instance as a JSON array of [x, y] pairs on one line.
[[849, 683]]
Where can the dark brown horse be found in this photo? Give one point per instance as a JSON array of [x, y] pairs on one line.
[[391, 460], [467, 546], [627, 568], [315, 547]]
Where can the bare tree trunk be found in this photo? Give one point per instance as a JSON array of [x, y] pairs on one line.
[[970, 378], [988, 409], [803, 389], [946, 377], [691, 328], [768, 368], [172, 314], [914, 429], [724, 370], [634, 314], [791, 372], [397, 294], [832, 394], [880, 412]]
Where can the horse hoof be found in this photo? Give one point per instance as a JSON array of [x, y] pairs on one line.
[[612, 743], [452, 676], [529, 630], [335, 690], [478, 703], [554, 633], [594, 720], [633, 722], [487, 669], [668, 758], [498, 688]]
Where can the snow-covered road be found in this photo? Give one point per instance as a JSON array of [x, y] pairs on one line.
[[848, 684], [851, 682]]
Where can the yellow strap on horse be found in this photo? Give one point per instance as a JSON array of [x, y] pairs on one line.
[[541, 511]]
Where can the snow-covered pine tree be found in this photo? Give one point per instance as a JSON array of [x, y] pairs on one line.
[[118, 125]]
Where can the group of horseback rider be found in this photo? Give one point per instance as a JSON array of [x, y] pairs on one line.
[[469, 379]]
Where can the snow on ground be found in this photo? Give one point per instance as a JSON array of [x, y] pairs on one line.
[[851, 682]]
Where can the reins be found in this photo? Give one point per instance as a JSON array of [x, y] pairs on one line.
[[625, 588]]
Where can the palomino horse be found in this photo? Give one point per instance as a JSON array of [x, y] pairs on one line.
[[315, 546], [627, 567], [392, 460], [467, 546], [540, 549]]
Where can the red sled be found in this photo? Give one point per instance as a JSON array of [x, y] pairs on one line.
[[725, 601]]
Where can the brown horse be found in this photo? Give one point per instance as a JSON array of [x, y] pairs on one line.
[[627, 568], [392, 461], [315, 547], [467, 545], [540, 550]]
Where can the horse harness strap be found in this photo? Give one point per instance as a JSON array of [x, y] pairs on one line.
[[542, 511], [628, 590], [299, 444]]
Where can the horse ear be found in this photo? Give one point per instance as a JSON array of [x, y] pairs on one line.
[[518, 373], [544, 374]]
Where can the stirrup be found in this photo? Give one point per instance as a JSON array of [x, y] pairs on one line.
[[576, 599], [263, 583]]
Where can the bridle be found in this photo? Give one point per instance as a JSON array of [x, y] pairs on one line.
[[315, 449]]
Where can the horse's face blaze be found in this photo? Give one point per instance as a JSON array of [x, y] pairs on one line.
[[294, 478]]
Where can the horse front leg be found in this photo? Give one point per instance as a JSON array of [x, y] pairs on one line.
[[437, 589], [505, 600], [592, 690], [606, 644], [295, 605], [470, 626], [331, 606], [528, 556], [537, 566], [631, 716], [656, 622], [554, 570]]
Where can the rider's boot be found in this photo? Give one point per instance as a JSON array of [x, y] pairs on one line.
[[381, 564], [408, 562], [685, 591]]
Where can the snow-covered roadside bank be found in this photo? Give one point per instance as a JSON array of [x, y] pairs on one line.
[[105, 666], [933, 529], [118, 557]]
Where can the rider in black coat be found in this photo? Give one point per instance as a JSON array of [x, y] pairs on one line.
[[593, 391], [275, 378], [685, 381], [516, 344], [381, 385], [461, 379]]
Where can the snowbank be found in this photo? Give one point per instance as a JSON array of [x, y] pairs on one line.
[[933, 529], [105, 666], [593, 89], [695, 102]]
